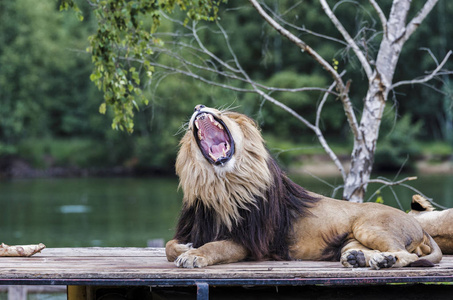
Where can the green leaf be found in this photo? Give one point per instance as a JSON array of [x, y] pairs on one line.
[[102, 108], [122, 39], [379, 199]]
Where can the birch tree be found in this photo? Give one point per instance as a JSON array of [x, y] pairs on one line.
[[396, 30], [194, 59]]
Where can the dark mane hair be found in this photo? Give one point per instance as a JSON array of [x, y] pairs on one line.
[[265, 227]]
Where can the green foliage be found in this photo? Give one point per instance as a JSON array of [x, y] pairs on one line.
[[48, 105], [44, 86], [289, 153], [396, 148], [44, 153], [122, 39], [442, 149], [379, 198]]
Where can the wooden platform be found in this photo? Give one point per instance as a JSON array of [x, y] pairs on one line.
[[149, 267]]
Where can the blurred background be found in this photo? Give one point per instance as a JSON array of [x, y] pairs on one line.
[[67, 179]]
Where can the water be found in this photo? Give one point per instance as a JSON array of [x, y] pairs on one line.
[[127, 212], [437, 187], [88, 212]]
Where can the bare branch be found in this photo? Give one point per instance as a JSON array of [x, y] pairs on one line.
[[428, 77], [315, 129], [236, 72], [321, 138], [388, 183], [431, 54], [185, 62], [366, 66], [391, 183], [260, 92], [396, 197], [303, 29], [418, 19], [424, 196], [301, 44], [201, 45], [201, 78], [343, 90], [321, 105], [381, 15]]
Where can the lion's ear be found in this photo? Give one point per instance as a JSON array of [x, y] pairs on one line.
[[419, 203]]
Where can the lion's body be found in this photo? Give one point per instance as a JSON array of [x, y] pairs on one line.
[[336, 226], [238, 205], [438, 224]]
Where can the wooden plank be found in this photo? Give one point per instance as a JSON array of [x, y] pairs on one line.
[[150, 264]]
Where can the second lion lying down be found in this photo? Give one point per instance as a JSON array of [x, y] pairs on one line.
[[238, 204]]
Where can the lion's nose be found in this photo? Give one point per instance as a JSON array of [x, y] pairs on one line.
[[199, 107]]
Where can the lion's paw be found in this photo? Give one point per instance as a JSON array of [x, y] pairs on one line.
[[353, 259], [191, 260], [382, 260], [181, 248]]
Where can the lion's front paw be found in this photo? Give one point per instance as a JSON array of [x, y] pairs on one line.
[[173, 249], [353, 259], [382, 260], [181, 248], [191, 259]]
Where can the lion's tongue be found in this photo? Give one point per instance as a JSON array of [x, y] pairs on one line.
[[218, 150]]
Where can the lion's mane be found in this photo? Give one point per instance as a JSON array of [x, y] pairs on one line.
[[252, 203]]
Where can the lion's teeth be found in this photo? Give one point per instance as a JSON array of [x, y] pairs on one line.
[[212, 155], [196, 124], [201, 116], [211, 118], [200, 137]]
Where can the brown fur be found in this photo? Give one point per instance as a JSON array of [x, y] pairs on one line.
[[438, 224], [248, 208]]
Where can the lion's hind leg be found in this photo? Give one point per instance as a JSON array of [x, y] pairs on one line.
[[354, 255], [383, 248]]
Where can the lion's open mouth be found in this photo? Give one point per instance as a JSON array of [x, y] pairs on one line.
[[213, 138]]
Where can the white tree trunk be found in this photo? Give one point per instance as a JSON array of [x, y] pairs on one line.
[[381, 81]]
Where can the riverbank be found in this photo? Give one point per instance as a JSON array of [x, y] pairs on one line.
[[310, 164], [322, 166], [16, 167]]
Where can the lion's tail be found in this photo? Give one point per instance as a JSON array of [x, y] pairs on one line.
[[434, 255]]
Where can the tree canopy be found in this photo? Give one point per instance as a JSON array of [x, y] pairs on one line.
[[135, 47]]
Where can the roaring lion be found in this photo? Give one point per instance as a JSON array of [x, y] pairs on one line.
[[438, 224], [239, 205]]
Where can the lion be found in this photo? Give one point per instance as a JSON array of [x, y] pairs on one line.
[[239, 205], [438, 224]]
